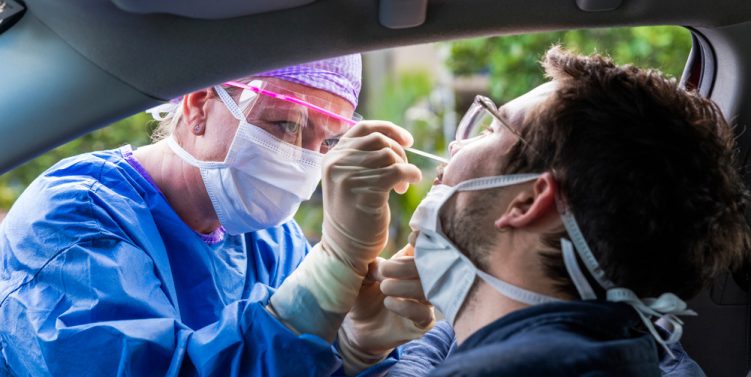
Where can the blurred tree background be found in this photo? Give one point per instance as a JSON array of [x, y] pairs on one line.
[[512, 63], [508, 65], [134, 130]]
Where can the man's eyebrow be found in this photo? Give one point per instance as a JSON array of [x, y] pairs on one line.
[[503, 114]]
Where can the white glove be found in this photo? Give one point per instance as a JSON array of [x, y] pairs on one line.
[[390, 310], [358, 174]]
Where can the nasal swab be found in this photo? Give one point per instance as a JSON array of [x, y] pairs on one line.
[[427, 155]]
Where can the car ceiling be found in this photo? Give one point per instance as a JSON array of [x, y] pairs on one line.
[[68, 67]]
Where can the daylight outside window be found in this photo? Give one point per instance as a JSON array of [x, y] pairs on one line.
[[426, 89]]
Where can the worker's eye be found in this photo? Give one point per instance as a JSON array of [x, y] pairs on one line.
[[288, 127], [330, 142]]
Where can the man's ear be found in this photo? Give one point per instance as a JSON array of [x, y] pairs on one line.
[[530, 205], [195, 109]]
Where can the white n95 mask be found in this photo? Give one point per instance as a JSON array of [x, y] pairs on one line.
[[261, 182]]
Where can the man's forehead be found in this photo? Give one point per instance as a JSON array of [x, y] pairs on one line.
[[514, 109]]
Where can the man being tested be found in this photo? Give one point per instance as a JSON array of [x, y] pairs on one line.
[[163, 260], [585, 209]]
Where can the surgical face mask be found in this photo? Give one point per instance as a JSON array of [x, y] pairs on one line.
[[261, 182], [447, 275]]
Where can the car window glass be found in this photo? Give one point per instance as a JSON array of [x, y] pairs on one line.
[[426, 89]]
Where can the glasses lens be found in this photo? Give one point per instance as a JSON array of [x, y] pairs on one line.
[[475, 122]]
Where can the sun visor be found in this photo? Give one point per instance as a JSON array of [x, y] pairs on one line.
[[10, 13], [208, 10]]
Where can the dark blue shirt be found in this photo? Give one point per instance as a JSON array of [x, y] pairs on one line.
[[562, 339]]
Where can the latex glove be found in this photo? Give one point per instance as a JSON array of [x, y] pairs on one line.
[[390, 310], [358, 174]]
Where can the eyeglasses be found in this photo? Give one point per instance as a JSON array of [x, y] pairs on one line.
[[480, 117], [300, 119]]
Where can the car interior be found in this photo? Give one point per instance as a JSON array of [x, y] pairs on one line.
[[70, 67]]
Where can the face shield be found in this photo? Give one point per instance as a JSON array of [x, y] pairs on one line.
[[298, 119]]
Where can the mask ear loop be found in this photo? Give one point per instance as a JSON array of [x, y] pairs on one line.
[[511, 291], [588, 258], [229, 102], [495, 181], [667, 307], [580, 282], [233, 108], [188, 158]]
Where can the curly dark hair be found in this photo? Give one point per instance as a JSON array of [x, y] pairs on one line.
[[647, 168]]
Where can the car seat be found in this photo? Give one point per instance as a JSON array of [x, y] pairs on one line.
[[719, 337]]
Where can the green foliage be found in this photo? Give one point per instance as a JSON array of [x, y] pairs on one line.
[[512, 61], [399, 94], [134, 130]]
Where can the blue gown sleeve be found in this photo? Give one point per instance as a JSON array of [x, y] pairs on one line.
[[98, 308]]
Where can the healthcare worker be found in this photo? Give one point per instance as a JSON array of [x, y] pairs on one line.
[[163, 260]]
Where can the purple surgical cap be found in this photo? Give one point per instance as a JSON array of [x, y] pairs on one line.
[[341, 75]]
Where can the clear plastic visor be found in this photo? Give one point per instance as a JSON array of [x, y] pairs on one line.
[[303, 120]]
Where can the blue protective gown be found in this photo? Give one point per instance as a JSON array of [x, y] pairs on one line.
[[101, 277]]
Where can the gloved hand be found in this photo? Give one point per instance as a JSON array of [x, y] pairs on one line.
[[358, 174], [390, 310]]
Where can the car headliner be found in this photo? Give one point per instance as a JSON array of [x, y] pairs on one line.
[[68, 67], [71, 66]]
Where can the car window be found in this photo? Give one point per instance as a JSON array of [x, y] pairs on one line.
[[424, 88], [427, 88]]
